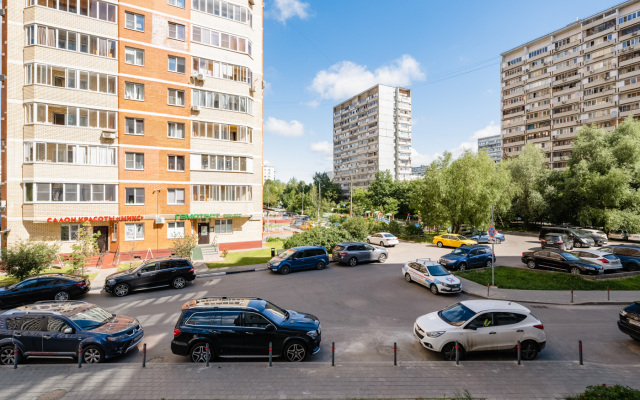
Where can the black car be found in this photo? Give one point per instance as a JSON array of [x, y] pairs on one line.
[[153, 273], [44, 287], [556, 241], [629, 322], [58, 328], [244, 327], [628, 254], [560, 260], [579, 237]]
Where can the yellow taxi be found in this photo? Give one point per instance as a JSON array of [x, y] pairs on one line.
[[307, 225], [452, 240]]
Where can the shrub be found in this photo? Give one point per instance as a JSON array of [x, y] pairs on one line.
[[184, 246], [27, 258], [272, 239], [604, 392], [327, 237], [85, 247], [395, 227], [335, 219], [412, 229], [378, 226], [358, 227]]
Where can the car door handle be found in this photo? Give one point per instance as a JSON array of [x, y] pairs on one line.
[[215, 332], [17, 334], [492, 333], [248, 333], [520, 330], [47, 336]]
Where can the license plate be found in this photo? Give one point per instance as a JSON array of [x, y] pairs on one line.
[[634, 322]]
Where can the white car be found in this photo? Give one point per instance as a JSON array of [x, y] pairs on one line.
[[383, 239], [480, 325], [621, 234], [608, 261], [431, 274], [598, 233]]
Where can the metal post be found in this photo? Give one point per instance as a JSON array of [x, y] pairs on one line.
[[79, 355], [580, 352], [207, 353], [395, 354], [457, 353], [144, 355], [608, 294], [493, 252], [519, 347], [333, 354], [488, 286], [15, 357], [270, 353], [572, 295]]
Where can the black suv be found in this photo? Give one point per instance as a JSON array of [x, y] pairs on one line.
[[58, 328], [579, 237], [153, 273], [243, 327], [44, 287], [629, 322]]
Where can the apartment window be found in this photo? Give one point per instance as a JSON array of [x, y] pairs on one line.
[[134, 91], [93, 9], [176, 3], [134, 196], [69, 232], [133, 56], [222, 70], [222, 101], [219, 39], [175, 196], [134, 21], [175, 163], [134, 161], [46, 36], [176, 97], [41, 152], [225, 10], [224, 226], [176, 64], [210, 193], [175, 230], [176, 31], [224, 163], [69, 116], [175, 130], [134, 126], [69, 192], [211, 130], [133, 232], [42, 74]]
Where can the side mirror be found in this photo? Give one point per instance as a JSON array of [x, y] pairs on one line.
[[68, 331], [270, 328]]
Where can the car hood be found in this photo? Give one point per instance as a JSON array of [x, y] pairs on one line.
[[450, 279], [432, 322], [119, 323], [452, 256], [275, 260], [301, 321]]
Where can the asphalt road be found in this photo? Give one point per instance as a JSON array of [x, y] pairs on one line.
[[365, 309]]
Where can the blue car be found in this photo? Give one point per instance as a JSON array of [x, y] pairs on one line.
[[483, 237], [468, 257], [299, 258]]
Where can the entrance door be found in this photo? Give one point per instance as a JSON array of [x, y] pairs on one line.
[[103, 239], [203, 233]]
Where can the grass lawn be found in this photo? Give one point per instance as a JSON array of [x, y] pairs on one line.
[[8, 280], [251, 257], [514, 278]]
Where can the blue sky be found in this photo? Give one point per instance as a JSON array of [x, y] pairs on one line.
[[318, 53]]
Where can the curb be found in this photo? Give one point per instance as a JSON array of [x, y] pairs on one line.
[[586, 303], [230, 272]]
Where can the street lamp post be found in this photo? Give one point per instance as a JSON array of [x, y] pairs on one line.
[[157, 192]]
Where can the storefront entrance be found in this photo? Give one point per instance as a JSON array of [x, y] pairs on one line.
[[103, 239], [203, 233]]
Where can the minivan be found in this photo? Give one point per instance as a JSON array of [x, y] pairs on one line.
[[299, 258], [580, 238]]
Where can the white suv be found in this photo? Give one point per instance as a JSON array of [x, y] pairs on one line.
[[480, 325]]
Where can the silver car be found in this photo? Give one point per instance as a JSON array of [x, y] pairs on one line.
[[353, 253], [608, 261]]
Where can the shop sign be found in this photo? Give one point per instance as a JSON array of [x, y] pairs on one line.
[[206, 216], [109, 218]]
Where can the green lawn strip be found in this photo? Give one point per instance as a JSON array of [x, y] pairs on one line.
[[251, 257], [8, 280], [514, 278]]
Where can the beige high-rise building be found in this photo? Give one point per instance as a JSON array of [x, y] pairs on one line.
[[586, 73]]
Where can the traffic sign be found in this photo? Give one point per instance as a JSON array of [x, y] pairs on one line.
[[492, 231]]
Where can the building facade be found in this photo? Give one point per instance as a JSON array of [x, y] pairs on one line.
[[585, 73], [371, 133], [268, 172], [143, 118], [492, 145], [418, 172]]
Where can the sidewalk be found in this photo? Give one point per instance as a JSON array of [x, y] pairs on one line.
[[231, 380], [550, 296]]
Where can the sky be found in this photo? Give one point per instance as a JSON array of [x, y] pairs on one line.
[[318, 53]]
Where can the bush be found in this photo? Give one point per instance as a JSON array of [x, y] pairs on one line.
[[335, 219], [27, 258], [327, 237], [184, 246], [604, 392], [378, 226], [395, 227], [357, 227], [272, 239], [413, 230]]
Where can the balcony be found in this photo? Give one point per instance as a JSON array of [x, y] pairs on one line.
[[562, 136], [518, 143], [630, 61], [589, 121], [566, 113], [599, 106], [599, 82], [601, 94], [566, 124], [563, 147], [634, 113], [539, 139], [513, 115], [540, 129], [629, 87], [598, 34], [564, 81], [623, 99], [537, 119]]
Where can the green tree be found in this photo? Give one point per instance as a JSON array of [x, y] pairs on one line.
[[85, 247], [330, 190], [528, 174], [272, 192], [357, 227], [382, 189], [183, 246], [326, 237], [26, 258]]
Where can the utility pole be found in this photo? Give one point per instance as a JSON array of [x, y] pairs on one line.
[[351, 196], [493, 251], [319, 199], [302, 199], [267, 227]]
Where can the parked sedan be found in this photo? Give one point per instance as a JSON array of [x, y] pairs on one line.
[[608, 261], [383, 239], [468, 257], [44, 287], [428, 273], [353, 253], [629, 322], [483, 237], [598, 236], [560, 260], [557, 241], [452, 240]]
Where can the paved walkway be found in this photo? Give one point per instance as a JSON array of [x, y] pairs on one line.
[[226, 380], [551, 296]]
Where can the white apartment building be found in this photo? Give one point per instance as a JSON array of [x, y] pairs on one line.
[[371, 133], [492, 145], [268, 172]]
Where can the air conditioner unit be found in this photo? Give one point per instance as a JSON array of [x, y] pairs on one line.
[[3, 205], [159, 220], [264, 84], [195, 108], [252, 2], [564, 102], [194, 74], [108, 134], [252, 89], [200, 77]]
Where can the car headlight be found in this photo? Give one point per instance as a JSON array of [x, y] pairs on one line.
[[435, 334], [275, 264], [623, 313], [312, 334], [111, 282]]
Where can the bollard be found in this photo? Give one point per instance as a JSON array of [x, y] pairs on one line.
[[572, 295], [457, 353], [273, 252], [79, 355], [270, 354], [580, 351], [608, 295], [207, 353], [519, 347], [144, 355], [488, 286], [333, 354], [395, 354], [15, 358]]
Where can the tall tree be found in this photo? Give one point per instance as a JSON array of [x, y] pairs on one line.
[[329, 189], [528, 173]]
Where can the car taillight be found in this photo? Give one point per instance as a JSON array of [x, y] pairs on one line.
[[603, 260], [539, 326], [80, 284], [344, 253], [388, 239], [176, 332], [190, 271]]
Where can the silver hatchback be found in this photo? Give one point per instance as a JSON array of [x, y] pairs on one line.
[[609, 262], [353, 253]]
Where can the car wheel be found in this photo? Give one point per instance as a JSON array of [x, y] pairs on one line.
[[382, 258], [295, 351], [407, 277], [179, 282], [434, 289], [632, 267], [353, 261], [320, 265], [6, 355], [198, 353], [383, 244], [529, 350], [121, 289], [449, 352], [577, 245], [542, 246], [488, 264], [92, 355], [285, 270], [531, 264], [575, 271], [61, 296], [462, 267], [439, 244]]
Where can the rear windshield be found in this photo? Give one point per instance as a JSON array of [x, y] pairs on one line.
[[388, 235], [339, 248], [611, 257], [456, 314]]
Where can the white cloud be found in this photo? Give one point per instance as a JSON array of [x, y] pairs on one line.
[[324, 148], [285, 9], [419, 159], [345, 79], [283, 128]]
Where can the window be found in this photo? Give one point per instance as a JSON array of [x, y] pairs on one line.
[[223, 9], [222, 101], [176, 3], [42, 74], [134, 56], [176, 97], [176, 31], [221, 193], [134, 91], [253, 320], [70, 192], [210, 130], [134, 21], [69, 154], [222, 70], [175, 230], [93, 9], [218, 39], [134, 196], [224, 163], [175, 163], [175, 130], [175, 196], [133, 232], [151, 267], [224, 226], [134, 161], [134, 126], [46, 36], [176, 64], [69, 233]]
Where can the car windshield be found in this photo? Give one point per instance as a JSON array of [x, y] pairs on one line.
[[285, 254], [582, 233], [569, 257], [275, 313], [436, 270], [460, 252], [456, 314], [92, 317]]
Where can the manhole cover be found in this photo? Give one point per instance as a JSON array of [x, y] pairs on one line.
[[53, 395]]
